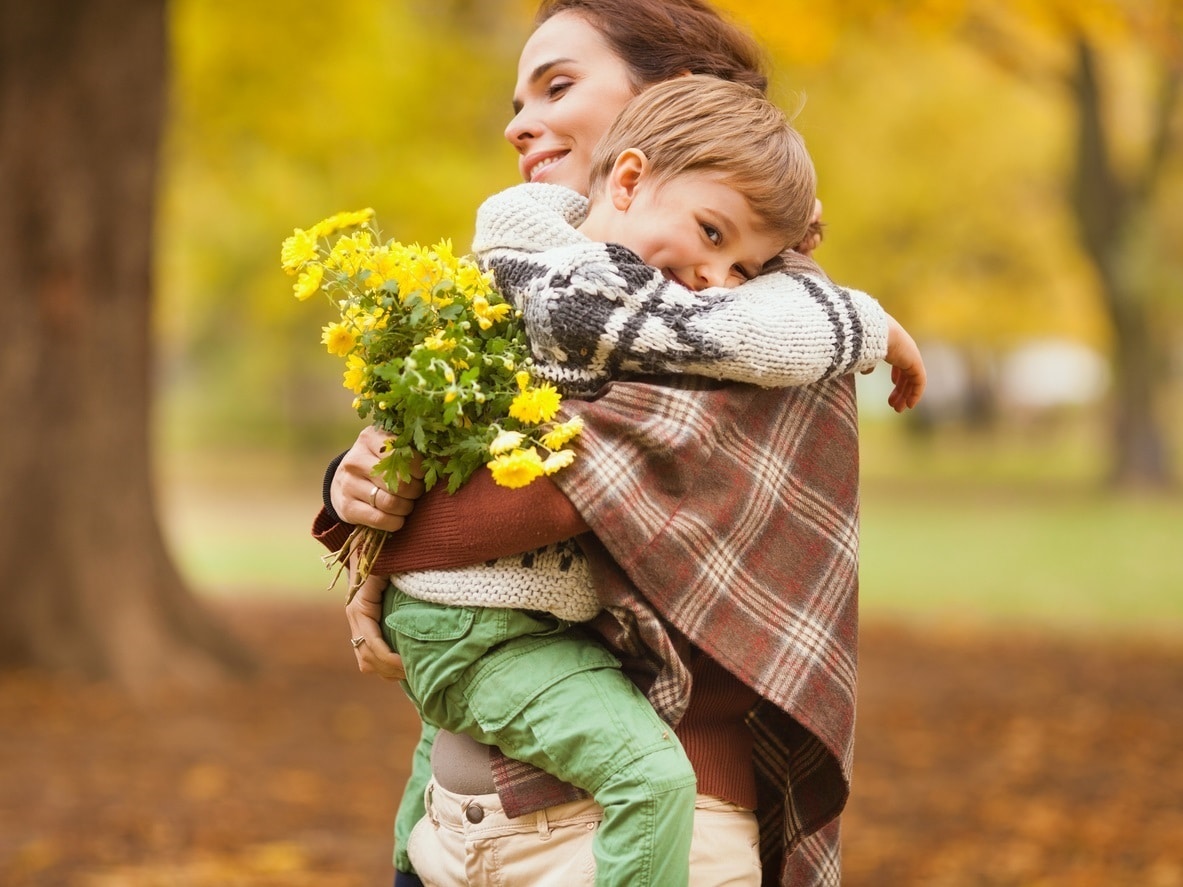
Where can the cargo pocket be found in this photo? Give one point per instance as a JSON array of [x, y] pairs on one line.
[[426, 621]]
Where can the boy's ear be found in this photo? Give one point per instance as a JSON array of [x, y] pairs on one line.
[[628, 170]]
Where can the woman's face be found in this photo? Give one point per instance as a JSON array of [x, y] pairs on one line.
[[570, 88]]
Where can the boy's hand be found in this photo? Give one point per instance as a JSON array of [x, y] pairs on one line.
[[907, 367], [364, 613]]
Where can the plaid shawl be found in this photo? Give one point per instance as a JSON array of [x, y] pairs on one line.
[[731, 512]]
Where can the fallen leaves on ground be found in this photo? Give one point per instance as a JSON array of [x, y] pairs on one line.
[[982, 760]]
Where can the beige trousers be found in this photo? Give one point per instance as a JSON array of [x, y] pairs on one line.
[[467, 841]]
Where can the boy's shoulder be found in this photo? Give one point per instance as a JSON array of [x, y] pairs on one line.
[[540, 196], [530, 217]]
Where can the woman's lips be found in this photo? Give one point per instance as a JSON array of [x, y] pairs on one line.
[[535, 165]]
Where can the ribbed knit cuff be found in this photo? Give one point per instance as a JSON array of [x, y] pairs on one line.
[[873, 321], [330, 531], [327, 487]]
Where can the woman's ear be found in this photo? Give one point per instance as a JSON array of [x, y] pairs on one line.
[[627, 172]]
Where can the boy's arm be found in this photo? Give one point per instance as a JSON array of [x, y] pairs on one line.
[[598, 310], [595, 310]]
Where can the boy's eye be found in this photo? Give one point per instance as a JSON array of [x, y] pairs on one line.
[[713, 234]]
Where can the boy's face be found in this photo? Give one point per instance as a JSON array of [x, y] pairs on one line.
[[697, 230]]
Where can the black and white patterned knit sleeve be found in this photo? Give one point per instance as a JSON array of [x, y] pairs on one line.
[[594, 311]]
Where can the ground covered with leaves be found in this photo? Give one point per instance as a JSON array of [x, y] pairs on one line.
[[981, 759]]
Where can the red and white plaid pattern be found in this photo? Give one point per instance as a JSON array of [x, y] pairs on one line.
[[733, 510]]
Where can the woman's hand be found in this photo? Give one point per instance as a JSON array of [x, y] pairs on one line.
[[364, 613], [360, 498], [907, 367]]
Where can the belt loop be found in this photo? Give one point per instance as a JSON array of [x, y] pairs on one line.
[[429, 807], [543, 824]]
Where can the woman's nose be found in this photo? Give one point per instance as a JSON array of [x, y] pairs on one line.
[[519, 131]]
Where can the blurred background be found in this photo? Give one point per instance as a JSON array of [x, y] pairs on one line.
[[957, 166], [1005, 177]]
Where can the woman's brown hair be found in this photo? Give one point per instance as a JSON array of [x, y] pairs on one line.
[[660, 39]]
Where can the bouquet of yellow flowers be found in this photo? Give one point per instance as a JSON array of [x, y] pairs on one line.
[[434, 356]]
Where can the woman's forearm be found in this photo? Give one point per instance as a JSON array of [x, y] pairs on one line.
[[479, 522]]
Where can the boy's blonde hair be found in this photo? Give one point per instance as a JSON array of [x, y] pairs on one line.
[[699, 123]]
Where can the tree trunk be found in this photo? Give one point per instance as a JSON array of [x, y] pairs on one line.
[[1105, 213], [88, 585]]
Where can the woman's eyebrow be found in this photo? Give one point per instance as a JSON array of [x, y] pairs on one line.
[[537, 74]]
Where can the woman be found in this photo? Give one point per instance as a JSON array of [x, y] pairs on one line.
[[725, 517]]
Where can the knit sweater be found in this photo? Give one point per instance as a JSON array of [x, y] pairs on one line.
[[595, 312]]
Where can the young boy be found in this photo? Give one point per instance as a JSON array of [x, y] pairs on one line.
[[713, 210], [706, 182]]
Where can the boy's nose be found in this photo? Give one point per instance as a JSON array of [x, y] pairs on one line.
[[711, 274]]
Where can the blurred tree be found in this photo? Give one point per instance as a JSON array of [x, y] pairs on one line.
[[88, 583], [1115, 65]]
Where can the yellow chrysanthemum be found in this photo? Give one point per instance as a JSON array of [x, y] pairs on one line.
[[535, 405], [349, 252], [436, 352], [444, 254], [438, 341], [340, 221], [486, 314], [562, 434], [338, 338], [558, 461], [505, 442], [516, 469], [472, 280], [355, 373], [297, 249], [373, 264], [404, 266], [360, 317], [308, 282]]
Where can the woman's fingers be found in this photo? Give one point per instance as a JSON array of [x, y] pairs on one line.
[[363, 613], [360, 498]]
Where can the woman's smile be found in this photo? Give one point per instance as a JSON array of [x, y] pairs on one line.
[[534, 165]]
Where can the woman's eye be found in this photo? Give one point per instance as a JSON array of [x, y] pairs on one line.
[[557, 88], [713, 234]]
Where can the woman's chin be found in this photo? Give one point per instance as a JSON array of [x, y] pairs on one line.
[[559, 174]]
